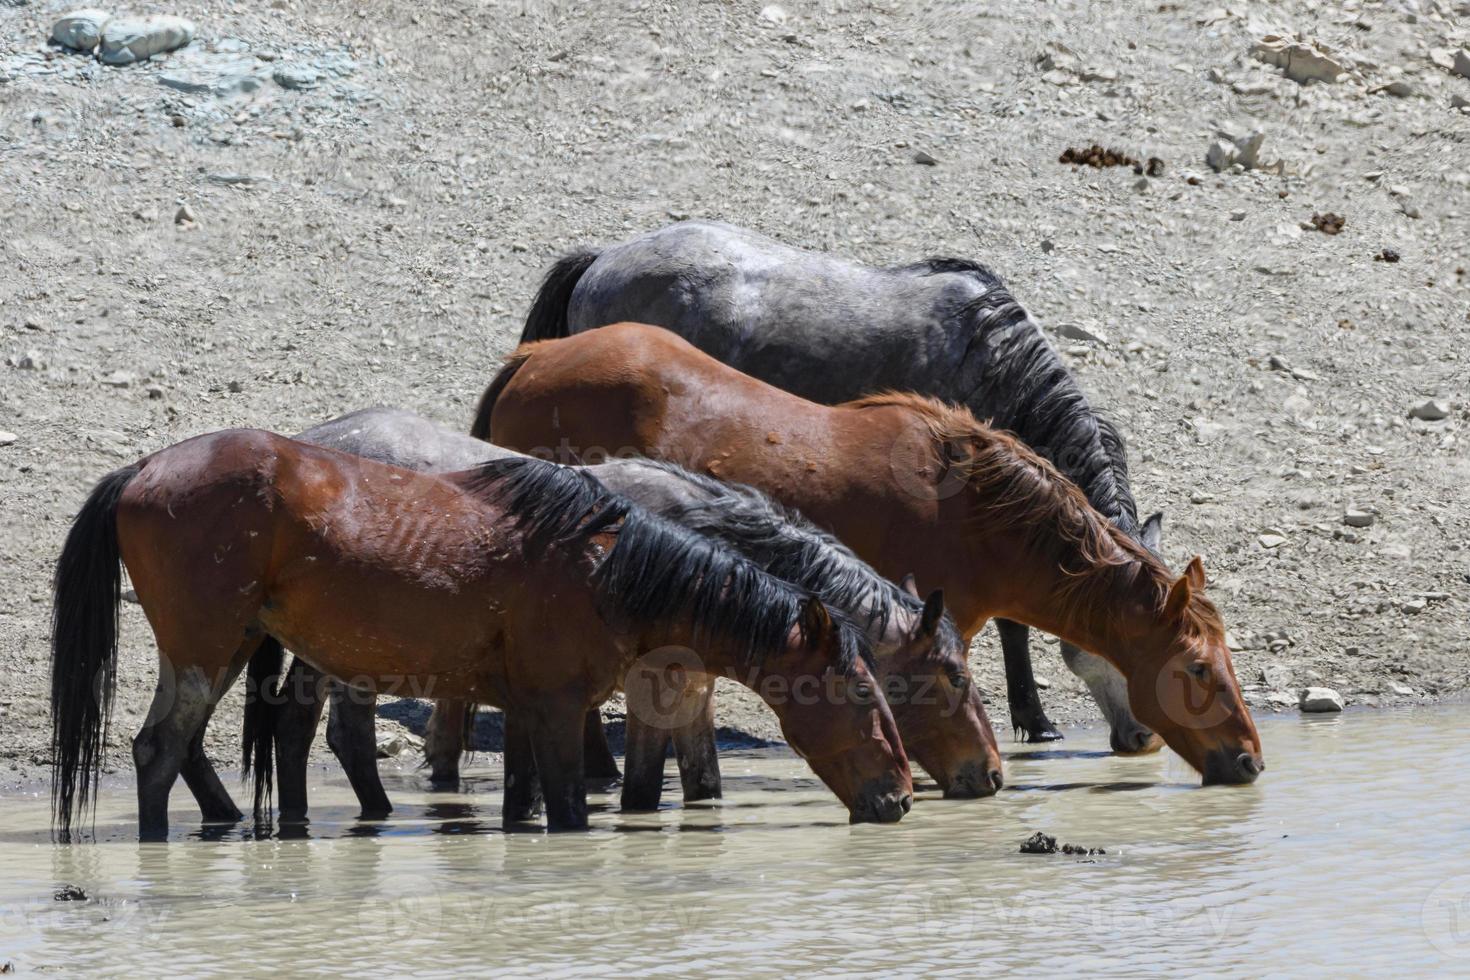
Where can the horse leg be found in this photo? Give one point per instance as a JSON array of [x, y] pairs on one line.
[[556, 743], [522, 783], [1128, 735], [179, 710], [694, 746], [645, 747], [444, 742], [1027, 715], [597, 755], [215, 804], [352, 739], [304, 695]]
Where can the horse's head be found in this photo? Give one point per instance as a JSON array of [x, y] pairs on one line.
[[937, 705], [1183, 685], [834, 715]]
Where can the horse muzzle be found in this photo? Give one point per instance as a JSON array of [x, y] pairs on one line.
[[1227, 768], [880, 803], [973, 782]]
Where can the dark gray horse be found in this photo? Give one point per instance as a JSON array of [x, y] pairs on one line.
[[752, 524], [831, 330]]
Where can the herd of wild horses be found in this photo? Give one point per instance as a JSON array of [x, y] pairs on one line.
[[711, 453]]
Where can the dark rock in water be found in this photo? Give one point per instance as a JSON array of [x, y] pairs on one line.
[[70, 893], [1039, 843]]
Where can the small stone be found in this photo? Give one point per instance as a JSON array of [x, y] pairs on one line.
[[1319, 700], [1272, 539], [236, 387], [6, 438], [296, 77], [1237, 216], [120, 379], [1039, 843], [70, 893], [154, 392], [1387, 255], [1402, 690], [126, 40], [1205, 431], [184, 215], [1301, 59], [1042, 682], [1355, 517], [1201, 497], [1432, 410], [1461, 65], [1276, 676], [925, 159], [774, 14], [1220, 155], [80, 30], [393, 744], [1458, 101], [1414, 607], [1076, 331]]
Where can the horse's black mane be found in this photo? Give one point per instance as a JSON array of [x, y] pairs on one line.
[[789, 546], [1042, 402], [657, 569]]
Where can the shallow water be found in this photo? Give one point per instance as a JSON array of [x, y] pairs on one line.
[[1352, 853]]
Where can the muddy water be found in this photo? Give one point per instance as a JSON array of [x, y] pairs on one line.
[[1352, 854]]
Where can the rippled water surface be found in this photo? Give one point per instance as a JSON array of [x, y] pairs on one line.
[[1352, 853]]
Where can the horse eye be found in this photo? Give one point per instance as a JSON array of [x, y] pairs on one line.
[[863, 691], [959, 681], [1199, 671]]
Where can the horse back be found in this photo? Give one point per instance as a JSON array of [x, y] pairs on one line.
[[786, 315]]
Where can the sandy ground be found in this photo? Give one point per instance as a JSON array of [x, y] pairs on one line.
[[377, 237]]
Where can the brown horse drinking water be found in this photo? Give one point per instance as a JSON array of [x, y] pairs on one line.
[[519, 584], [908, 484]]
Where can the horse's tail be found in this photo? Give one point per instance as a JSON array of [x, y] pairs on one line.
[[548, 317], [258, 730], [85, 596], [480, 428]]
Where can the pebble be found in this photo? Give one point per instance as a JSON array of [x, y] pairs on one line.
[[184, 216], [1461, 64], [1272, 539], [120, 379], [774, 14], [126, 40], [1076, 331], [80, 30], [296, 77], [1276, 676], [1402, 690], [1319, 700], [393, 744], [1356, 517], [6, 438], [1414, 607], [1432, 410]]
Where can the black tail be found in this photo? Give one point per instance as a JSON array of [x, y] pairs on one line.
[[480, 428], [86, 592], [258, 731], [548, 317]]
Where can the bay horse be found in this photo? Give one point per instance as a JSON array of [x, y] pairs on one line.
[[908, 483], [517, 583], [919, 657], [832, 330]]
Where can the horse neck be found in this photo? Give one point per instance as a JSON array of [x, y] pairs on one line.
[[1021, 385], [1103, 615]]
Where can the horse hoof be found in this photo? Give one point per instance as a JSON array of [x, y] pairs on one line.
[[1044, 735]]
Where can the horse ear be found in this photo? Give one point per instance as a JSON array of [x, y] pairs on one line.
[[815, 622], [933, 613], [1178, 599], [1151, 535], [1195, 572], [909, 585]]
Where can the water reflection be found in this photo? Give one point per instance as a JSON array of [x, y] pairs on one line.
[[1303, 865]]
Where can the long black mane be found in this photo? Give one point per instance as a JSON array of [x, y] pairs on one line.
[[789, 546], [657, 570], [1024, 387]]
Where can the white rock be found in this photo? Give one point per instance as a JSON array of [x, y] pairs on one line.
[[1301, 59], [392, 744], [1272, 539], [126, 40], [774, 14], [120, 379], [1414, 607], [1276, 676], [1432, 410], [1403, 690], [80, 30], [6, 438], [1319, 699], [1354, 517], [1248, 149], [296, 77]]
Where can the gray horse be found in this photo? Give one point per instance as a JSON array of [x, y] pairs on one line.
[[831, 330], [782, 543]]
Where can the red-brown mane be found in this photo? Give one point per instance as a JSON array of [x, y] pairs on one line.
[[1014, 486]]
